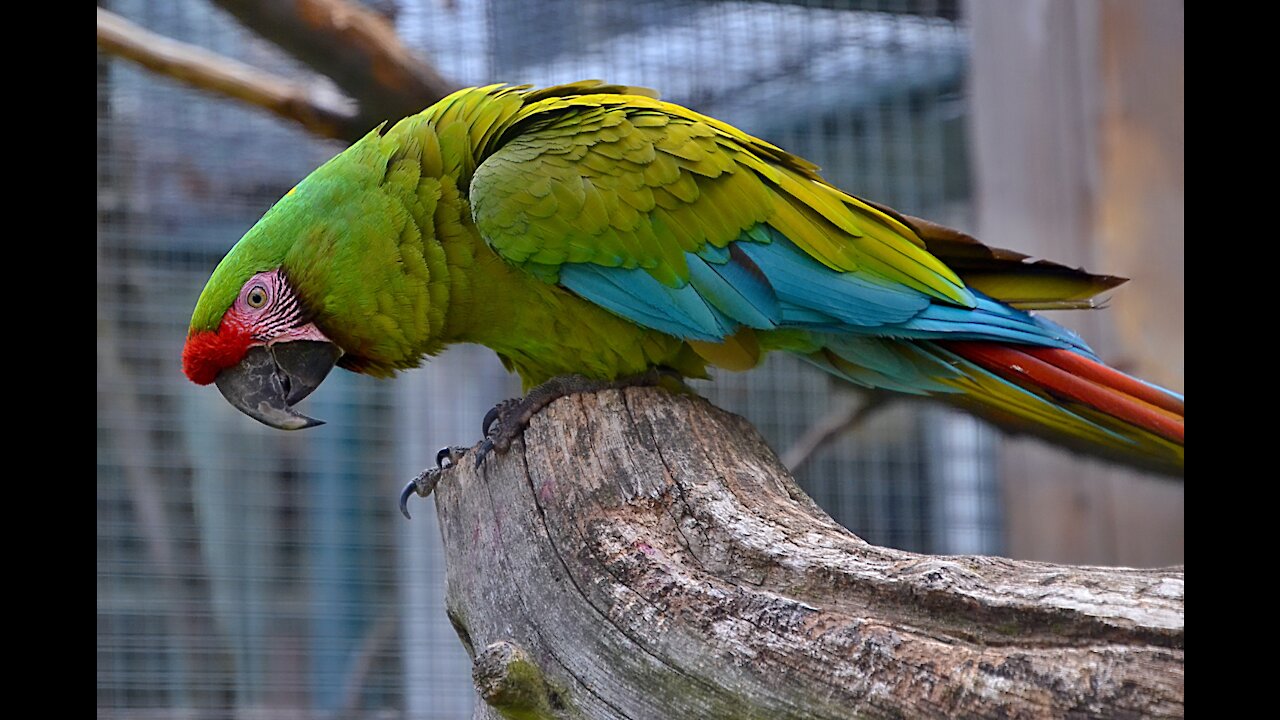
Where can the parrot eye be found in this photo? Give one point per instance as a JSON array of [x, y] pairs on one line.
[[257, 297]]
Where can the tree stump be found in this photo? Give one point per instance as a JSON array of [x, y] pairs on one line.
[[644, 555]]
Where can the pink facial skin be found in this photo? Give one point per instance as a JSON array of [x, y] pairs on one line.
[[265, 312]]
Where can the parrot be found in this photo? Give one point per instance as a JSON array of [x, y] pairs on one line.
[[594, 235]]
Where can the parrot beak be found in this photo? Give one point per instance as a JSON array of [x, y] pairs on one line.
[[270, 379]]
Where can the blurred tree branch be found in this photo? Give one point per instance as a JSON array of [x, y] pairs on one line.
[[833, 425], [208, 71], [355, 47]]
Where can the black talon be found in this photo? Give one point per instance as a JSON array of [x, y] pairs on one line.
[[490, 417], [408, 490], [450, 453], [423, 485], [485, 448]]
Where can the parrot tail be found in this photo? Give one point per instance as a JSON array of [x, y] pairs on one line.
[[1054, 393], [1099, 409]]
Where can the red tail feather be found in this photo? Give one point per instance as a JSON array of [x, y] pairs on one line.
[[1077, 378]]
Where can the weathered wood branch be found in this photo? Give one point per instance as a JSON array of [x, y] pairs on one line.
[[644, 555], [309, 106]]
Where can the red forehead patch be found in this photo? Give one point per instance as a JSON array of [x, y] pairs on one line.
[[208, 353]]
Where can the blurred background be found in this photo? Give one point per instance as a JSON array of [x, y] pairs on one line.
[[249, 573]]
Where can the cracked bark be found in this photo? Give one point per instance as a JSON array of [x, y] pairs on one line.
[[644, 555]]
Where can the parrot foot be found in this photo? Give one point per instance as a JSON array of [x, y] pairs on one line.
[[427, 480], [507, 420]]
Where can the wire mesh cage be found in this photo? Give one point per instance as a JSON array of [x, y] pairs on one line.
[[244, 572]]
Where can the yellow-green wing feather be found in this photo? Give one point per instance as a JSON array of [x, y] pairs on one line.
[[632, 182]]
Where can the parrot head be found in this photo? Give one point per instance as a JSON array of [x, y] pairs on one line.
[[294, 296], [265, 355]]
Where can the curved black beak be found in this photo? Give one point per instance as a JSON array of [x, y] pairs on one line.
[[269, 380]]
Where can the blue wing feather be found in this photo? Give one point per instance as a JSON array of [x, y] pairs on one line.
[[748, 303], [763, 281], [637, 296]]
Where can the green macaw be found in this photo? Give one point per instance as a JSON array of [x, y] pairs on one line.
[[593, 230]]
